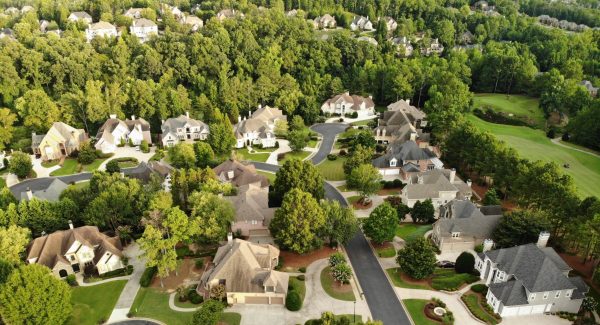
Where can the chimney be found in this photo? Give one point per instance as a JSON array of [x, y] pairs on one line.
[[230, 174], [259, 106], [113, 116], [43, 233], [407, 101], [187, 114], [33, 134], [469, 183], [488, 244], [370, 96], [543, 239], [420, 179], [413, 136], [133, 117], [29, 194], [122, 174], [162, 121], [239, 118], [70, 224], [229, 238], [452, 175]]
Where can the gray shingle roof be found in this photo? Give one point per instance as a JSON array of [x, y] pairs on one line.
[[434, 182], [511, 293], [48, 189], [479, 226], [172, 124], [402, 152], [457, 209]]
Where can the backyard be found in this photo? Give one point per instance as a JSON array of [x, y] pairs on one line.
[[534, 145], [93, 305], [412, 231], [523, 107]]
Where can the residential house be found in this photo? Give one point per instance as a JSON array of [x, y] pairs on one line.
[[229, 14], [292, 13], [361, 23], [434, 47], [258, 128], [195, 22], [80, 16], [252, 212], [346, 104], [401, 122], [60, 141], [46, 189], [246, 270], [462, 226], [102, 29], [466, 38], [403, 46], [146, 170], [529, 279], [238, 174], [183, 128], [12, 11], [390, 23], [368, 39], [173, 10], [406, 157], [7, 33], [75, 249], [115, 131], [43, 25], [590, 88], [325, 22], [143, 29], [439, 185], [134, 13]]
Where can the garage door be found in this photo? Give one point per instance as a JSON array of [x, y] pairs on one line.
[[277, 301], [538, 309], [526, 310], [257, 300], [507, 311]]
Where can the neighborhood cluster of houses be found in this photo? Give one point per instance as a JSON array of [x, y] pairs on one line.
[[562, 24]]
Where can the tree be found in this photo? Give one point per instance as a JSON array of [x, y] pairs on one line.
[[293, 302], [519, 228], [359, 156], [37, 110], [401, 208], [298, 223], [159, 251], [7, 119], [32, 295], [281, 128], [341, 224], [465, 262], [13, 241], [218, 292], [381, 224], [423, 212], [297, 139], [417, 259], [491, 197], [20, 164], [336, 258], [298, 174], [204, 154], [144, 147], [366, 179], [113, 167], [341, 272], [213, 215], [182, 155], [87, 154], [209, 313], [363, 138], [6, 269], [221, 137]]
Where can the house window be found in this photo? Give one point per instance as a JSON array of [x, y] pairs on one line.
[[532, 296], [546, 294], [455, 234], [393, 163], [557, 294], [568, 294]]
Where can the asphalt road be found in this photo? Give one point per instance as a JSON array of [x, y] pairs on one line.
[[328, 131]]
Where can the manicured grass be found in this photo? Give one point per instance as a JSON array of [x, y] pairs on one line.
[[270, 176], [48, 164], [94, 165], [472, 302], [332, 170], [442, 279], [416, 308], [394, 274], [298, 285], [69, 167], [343, 188], [231, 318], [353, 199], [534, 145], [91, 305], [350, 317], [300, 155], [412, 231], [2, 182], [243, 154], [363, 122], [311, 143], [330, 285], [386, 252], [127, 162], [523, 107]]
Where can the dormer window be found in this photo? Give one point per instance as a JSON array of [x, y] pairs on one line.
[[546, 294], [568, 293], [455, 234], [557, 294], [532, 296], [393, 162]]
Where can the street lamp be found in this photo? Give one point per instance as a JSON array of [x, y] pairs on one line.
[[354, 321]]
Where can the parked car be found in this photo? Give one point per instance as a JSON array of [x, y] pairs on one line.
[[445, 264]]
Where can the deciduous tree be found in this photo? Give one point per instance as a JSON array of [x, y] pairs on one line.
[[381, 224], [417, 259]]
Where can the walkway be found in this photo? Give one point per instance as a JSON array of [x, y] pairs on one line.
[[557, 142], [128, 294]]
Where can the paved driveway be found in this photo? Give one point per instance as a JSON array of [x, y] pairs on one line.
[[328, 131]]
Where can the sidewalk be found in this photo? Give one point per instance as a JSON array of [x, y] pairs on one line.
[[127, 297]]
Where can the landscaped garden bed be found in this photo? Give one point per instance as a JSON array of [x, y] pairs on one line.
[[335, 289], [477, 305], [358, 202], [293, 262], [442, 279]]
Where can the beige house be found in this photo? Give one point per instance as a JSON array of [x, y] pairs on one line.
[[60, 141], [238, 174], [229, 14], [183, 129], [252, 212], [258, 128], [345, 103], [246, 270], [71, 251], [439, 185], [325, 22], [400, 123], [406, 157]]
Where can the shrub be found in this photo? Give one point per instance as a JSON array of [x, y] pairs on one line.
[[465, 263], [20, 164], [551, 133], [183, 251], [566, 136], [301, 277], [194, 297], [113, 166], [354, 114], [302, 269], [479, 248], [199, 263], [331, 157], [336, 258], [276, 144], [479, 288], [280, 156], [71, 280], [147, 276], [144, 146], [87, 154], [293, 301]]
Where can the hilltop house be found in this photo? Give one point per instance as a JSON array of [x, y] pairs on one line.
[[439, 185], [462, 226], [258, 129], [246, 270], [195, 22], [173, 10], [143, 28], [401, 122], [182, 128], [593, 91], [238, 174], [403, 46], [361, 23], [252, 212], [406, 157], [114, 131], [60, 141], [229, 14], [368, 39], [80, 16], [529, 279], [434, 47], [102, 29], [325, 22], [390, 24], [345, 103], [71, 251], [47, 189], [134, 13]]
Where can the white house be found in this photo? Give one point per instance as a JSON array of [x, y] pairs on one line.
[[143, 29], [80, 16], [403, 46], [258, 129], [361, 23], [195, 22], [114, 131], [183, 128], [102, 29], [325, 22], [176, 12], [390, 23], [345, 103], [134, 13], [435, 47], [229, 14]]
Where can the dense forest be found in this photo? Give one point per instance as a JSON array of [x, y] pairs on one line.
[[588, 15]]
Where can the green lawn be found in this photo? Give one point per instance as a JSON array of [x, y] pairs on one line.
[[332, 170], [69, 167], [270, 176], [350, 317], [472, 302], [386, 252], [394, 274], [415, 309], [353, 199], [48, 164], [301, 155], [264, 154], [363, 122], [442, 279], [94, 165], [93, 305], [2, 182], [412, 231], [329, 285], [312, 143], [154, 304], [523, 107], [299, 286], [534, 145], [81, 184]]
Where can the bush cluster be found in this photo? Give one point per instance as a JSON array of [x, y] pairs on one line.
[[332, 156], [147, 276], [293, 301], [479, 288]]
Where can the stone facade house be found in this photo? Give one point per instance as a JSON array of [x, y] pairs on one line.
[[193, 21], [403, 46], [529, 279], [462, 226], [368, 39], [238, 174], [325, 22], [146, 170], [390, 24], [258, 128], [71, 251], [143, 29], [401, 122], [114, 130], [439, 185], [345, 103], [408, 157], [246, 270], [183, 128], [60, 141], [80, 16], [101, 29], [361, 23], [466, 38]]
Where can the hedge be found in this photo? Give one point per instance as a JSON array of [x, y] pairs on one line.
[[293, 301], [479, 288], [147, 276]]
